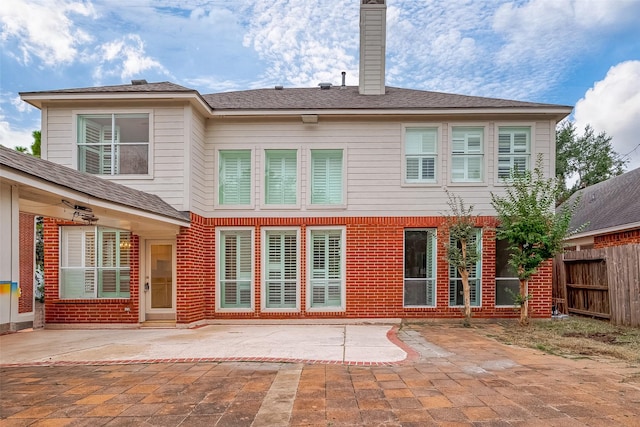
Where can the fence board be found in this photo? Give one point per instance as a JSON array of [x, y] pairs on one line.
[[601, 282]]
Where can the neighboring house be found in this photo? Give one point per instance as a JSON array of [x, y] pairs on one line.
[[611, 212], [320, 202]]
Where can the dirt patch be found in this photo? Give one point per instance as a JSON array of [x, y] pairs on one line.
[[607, 338]]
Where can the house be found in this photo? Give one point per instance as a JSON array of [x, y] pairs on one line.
[[611, 212], [321, 202]]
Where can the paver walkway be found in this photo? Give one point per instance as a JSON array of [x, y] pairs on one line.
[[457, 377]]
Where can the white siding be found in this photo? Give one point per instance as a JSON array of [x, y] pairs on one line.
[[60, 137], [202, 168], [373, 151]]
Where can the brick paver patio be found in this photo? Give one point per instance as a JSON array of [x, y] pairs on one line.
[[455, 377]]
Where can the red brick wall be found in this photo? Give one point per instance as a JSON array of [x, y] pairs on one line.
[[374, 274], [617, 239], [85, 310], [27, 257]]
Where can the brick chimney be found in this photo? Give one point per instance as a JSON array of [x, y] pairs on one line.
[[373, 36]]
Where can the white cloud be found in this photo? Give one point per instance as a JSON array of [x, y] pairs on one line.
[[44, 29], [125, 58], [14, 137], [612, 105]]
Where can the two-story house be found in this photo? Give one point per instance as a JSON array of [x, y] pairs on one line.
[[324, 202]]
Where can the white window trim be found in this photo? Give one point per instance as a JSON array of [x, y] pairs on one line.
[[435, 286], [216, 182], [485, 150], [532, 147], [309, 179], [61, 247], [343, 267], [263, 180], [263, 272], [150, 163], [403, 162], [218, 249], [481, 262]]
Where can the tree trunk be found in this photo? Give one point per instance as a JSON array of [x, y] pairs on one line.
[[466, 294], [524, 305]]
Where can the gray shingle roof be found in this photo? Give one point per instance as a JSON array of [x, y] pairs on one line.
[[348, 97], [128, 88], [336, 98], [88, 184], [611, 203]]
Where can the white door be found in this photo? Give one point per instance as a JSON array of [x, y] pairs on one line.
[[160, 283]]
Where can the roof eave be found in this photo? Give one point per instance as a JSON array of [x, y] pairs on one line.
[[37, 99], [608, 230]]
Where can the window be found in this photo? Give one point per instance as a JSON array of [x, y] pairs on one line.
[[234, 177], [281, 177], [514, 150], [419, 267], [326, 268], [421, 155], [113, 144], [281, 269], [507, 283], [467, 154], [456, 296], [236, 269], [94, 263], [326, 177]]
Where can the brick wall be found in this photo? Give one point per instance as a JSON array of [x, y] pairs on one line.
[[27, 257], [374, 273], [85, 310], [617, 239]]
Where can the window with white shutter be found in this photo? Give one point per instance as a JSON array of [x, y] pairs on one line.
[[514, 150], [421, 155], [235, 269], [281, 269], [113, 144], [234, 177], [420, 268], [326, 269], [281, 177], [467, 154], [326, 177], [456, 296], [94, 263]]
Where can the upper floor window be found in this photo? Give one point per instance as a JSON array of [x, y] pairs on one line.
[[467, 149], [94, 263], [234, 177], [113, 144], [421, 155], [281, 177], [514, 150], [326, 177]]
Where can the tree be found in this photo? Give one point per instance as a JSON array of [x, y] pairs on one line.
[[35, 147], [529, 223], [462, 249], [590, 157]]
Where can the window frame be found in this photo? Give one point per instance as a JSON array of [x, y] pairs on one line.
[[503, 278], [309, 270], [436, 155], [483, 157], [432, 233], [76, 114], [532, 132], [97, 268], [264, 180], [264, 273], [309, 174], [252, 180], [220, 231], [477, 277]]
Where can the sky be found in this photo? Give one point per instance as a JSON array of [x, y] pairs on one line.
[[582, 53]]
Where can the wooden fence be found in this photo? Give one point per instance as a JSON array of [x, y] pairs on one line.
[[602, 283]]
